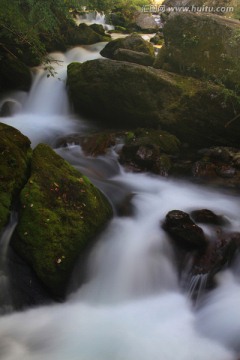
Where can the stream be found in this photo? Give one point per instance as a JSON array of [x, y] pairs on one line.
[[132, 306]]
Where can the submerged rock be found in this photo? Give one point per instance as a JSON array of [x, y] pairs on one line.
[[15, 155], [130, 95], [61, 212], [132, 42]]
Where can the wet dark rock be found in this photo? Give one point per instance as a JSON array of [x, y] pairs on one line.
[[8, 108], [206, 216], [184, 232], [219, 255]]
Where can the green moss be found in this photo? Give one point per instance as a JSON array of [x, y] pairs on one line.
[[165, 142], [15, 153], [61, 211]]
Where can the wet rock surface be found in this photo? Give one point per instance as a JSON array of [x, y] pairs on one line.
[[183, 231], [205, 216], [199, 255]]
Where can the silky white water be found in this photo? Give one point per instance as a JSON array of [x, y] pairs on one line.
[[44, 114], [132, 305], [94, 18]]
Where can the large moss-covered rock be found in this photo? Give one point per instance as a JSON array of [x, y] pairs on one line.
[[15, 153], [128, 95], [202, 45], [132, 42], [61, 211]]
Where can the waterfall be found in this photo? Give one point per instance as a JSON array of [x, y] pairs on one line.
[[132, 305], [94, 17], [44, 115]]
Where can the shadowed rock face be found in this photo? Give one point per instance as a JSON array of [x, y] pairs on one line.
[[122, 94]]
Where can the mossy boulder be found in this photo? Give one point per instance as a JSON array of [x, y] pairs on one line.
[[132, 42], [133, 57], [61, 212], [128, 95], [14, 74], [85, 35], [149, 150], [202, 45], [15, 153], [99, 29]]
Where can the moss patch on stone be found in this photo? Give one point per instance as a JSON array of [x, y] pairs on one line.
[[149, 150], [15, 154], [61, 211]]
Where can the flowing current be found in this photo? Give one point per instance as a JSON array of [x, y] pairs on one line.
[[132, 306]]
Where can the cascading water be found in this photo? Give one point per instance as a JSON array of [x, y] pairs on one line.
[[94, 17], [132, 306], [44, 114]]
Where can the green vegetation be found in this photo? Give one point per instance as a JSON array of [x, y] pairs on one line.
[[27, 27], [107, 5]]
